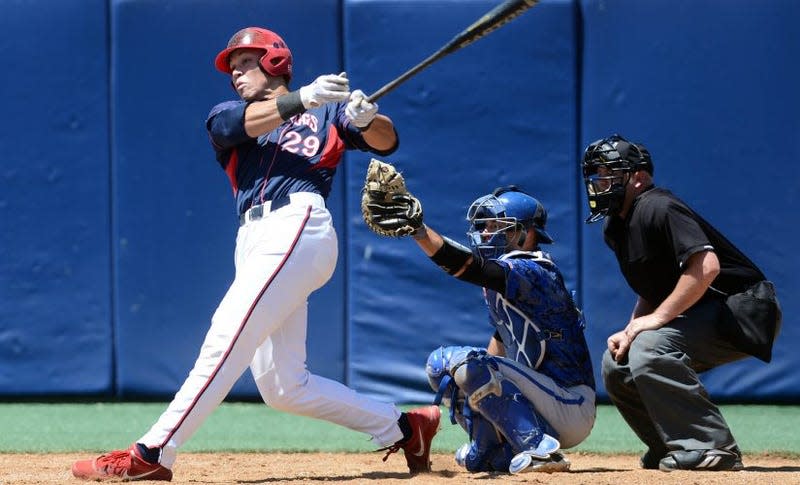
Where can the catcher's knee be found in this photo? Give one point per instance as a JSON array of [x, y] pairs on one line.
[[477, 376], [501, 402], [442, 361]]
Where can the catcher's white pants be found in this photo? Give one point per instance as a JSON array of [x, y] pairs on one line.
[[570, 411], [261, 322]]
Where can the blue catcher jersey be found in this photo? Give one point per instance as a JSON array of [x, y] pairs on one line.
[[538, 321], [300, 155]]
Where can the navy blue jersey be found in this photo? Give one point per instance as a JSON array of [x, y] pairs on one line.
[[537, 320], [300, 155]]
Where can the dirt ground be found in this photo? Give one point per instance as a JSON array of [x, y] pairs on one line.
[[302, 468]]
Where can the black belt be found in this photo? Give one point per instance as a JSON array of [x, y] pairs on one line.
[[258, 211]]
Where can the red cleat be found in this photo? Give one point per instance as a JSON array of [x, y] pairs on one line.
[[126, 465], [424, 425]]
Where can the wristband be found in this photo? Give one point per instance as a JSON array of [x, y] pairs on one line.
[[289, 105]]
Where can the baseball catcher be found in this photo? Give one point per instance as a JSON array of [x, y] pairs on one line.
[[530, 392], [386, 205]]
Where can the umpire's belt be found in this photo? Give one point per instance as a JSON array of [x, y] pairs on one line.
[[301, 198]]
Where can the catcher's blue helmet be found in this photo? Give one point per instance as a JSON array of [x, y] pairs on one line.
[[507, 208]]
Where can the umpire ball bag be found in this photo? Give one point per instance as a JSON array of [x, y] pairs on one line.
[[756, 319]]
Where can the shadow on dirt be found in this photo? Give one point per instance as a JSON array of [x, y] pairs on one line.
[[376, 476], [768, 469]]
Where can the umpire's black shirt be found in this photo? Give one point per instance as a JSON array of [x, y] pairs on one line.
[[659, 235]]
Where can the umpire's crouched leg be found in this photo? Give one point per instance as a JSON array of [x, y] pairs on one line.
[[620, 379]]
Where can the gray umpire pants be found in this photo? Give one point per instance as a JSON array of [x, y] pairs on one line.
[[657, 389]]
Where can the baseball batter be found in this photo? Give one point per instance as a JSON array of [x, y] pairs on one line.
[[280, 150], [531, 391]]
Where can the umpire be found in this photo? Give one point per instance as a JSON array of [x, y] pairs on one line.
[[691, 284]]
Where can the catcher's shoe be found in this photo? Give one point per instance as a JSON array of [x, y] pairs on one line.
[[524, 463], [127, 465], [417, 449], [703, 460], [462, 453]]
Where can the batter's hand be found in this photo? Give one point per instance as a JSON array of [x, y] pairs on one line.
[[329, 88], [359, 111]]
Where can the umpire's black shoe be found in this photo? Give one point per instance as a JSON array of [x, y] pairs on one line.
[[702, 460], [651, 459]]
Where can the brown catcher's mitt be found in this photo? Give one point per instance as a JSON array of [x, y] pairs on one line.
[[387, 206]]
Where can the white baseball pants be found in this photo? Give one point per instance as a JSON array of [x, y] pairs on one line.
[[261, 322]]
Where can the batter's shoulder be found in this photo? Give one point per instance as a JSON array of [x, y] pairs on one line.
[[225, 106]]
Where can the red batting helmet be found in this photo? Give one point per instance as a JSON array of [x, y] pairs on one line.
[[277, 58]]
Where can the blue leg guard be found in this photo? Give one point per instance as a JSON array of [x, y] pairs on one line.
[[442, 361], [487, 452], [503, 405], [439, 368]]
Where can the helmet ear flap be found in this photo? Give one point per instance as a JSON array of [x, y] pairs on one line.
[[276, 62], [523, 234], [644, 161]]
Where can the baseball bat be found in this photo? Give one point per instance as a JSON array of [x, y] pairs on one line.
[[491, 20]]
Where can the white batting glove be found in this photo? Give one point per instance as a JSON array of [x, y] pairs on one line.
[[359, 111], [325, 89]]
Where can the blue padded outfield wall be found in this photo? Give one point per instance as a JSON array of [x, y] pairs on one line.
[[56, 274], [501, 112], [711, 89], [117, 225]]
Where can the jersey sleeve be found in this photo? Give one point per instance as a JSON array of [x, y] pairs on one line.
[[225, 125], [684, 232]]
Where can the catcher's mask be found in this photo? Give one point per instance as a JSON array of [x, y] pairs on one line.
[[607, 165], [502, 218], [277, 58]]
